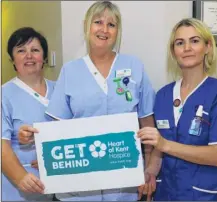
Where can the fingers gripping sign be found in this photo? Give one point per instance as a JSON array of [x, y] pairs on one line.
[[26, 134], [151, 136]]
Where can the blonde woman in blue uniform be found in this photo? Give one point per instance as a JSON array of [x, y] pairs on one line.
[[101, 83], [24, 100], [186, 119]]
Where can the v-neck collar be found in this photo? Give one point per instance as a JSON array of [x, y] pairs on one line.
[[32, 92], [177, 110], [101, 81]]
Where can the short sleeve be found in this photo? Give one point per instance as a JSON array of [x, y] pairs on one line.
[[213, 124], [59, 107], [7, 126], [147, 97]]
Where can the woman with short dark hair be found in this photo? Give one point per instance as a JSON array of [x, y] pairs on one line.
[[24, 99]]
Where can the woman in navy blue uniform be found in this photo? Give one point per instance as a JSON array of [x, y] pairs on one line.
[[186, 118]]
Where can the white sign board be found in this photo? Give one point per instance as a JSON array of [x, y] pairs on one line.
[[87, 150]]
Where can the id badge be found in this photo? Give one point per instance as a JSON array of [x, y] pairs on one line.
[[123, 73], [163, 124]]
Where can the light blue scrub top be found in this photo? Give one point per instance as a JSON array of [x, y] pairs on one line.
[[20, 105], [81, 91]]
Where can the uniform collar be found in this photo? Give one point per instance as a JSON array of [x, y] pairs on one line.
[[30, 91], [101, 81], [177, 110]]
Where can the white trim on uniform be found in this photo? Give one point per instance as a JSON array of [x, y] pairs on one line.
[[204, 190], [5, 138], [146, 115], [176, 95], [30, 91], [101, 81], [47, 90], [212, 143]]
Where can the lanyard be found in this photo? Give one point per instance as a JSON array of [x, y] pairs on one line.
[[31, 92]]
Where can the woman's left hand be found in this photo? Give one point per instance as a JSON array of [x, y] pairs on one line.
[[151, 136]]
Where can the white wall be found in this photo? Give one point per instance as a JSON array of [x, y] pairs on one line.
[[146, 29]]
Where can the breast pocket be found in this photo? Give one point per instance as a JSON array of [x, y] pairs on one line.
[[203, 137]]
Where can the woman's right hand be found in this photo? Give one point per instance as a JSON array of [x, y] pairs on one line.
[[150, 185], [31, 184], [26, 134]]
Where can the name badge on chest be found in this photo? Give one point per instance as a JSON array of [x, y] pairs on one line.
[[163, 124], [123, 73]]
